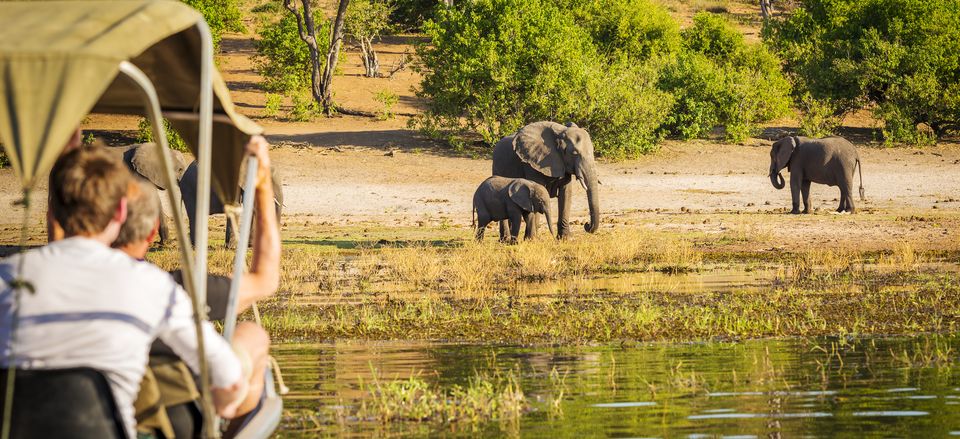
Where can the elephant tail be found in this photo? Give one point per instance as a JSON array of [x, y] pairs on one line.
[[860, 168], [473, 217]]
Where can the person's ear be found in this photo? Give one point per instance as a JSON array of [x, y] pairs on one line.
[[121, 213], [153, 231]]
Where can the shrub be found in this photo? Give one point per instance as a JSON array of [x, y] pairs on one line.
[[304, 108], [282, 58], [900, 57], [817, 117], [721, 80], [272, 107], [221, 16], [638, 29], [412, 14], [387, 100], [174, 141], [494, 65]]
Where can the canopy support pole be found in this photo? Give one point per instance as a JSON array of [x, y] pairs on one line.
[[152, 104], [240, 258], [210, 421]]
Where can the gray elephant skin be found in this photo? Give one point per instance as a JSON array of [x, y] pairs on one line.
[[831, 161], [188, 191], [551, 155], [513, 200], [142, 160]]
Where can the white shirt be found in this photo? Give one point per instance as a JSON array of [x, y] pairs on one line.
[[94, 306]]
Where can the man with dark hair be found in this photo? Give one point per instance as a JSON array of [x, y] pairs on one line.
[[171, 390], [78, 303]]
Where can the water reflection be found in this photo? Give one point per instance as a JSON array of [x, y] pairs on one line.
[[769, 388]]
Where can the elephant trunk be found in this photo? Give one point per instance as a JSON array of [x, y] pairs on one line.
[[549, 216], [775, 178], [591, 182]]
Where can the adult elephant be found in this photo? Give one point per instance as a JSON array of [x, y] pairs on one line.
[[188, 191], [143, 161], [552, 154]]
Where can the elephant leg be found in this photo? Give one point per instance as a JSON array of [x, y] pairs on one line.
[[805, 191], [504, 230], [228, 236], [563, 210], [846, 193], [481, 226], [530, 221], [515, 217], [795, 183], [164, 230]]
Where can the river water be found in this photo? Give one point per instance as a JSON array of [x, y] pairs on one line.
[[852, 387]]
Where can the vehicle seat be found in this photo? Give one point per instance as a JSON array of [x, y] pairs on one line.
[[62, 403]]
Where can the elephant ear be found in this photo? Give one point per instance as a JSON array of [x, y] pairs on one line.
[[786, 147], [520, 194], [146, 163], [538, 145]]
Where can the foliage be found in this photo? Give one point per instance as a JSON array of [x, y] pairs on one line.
[[282, 58], [272, 107], [221, 15], [304, 108], [622, 69], [410, 15], [174, 141], [4, 159], [720, 80], [387, 100], [637, 29], [367, 18], [817, 117], [899, 57], [493, 65]]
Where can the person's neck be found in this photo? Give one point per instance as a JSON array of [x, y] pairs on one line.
[[136, 251], [105, 237]]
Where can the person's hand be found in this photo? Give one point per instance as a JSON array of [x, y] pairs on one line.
[[227, 400], [259, 148]]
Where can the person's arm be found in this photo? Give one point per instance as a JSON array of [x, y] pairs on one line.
[[263, 278], [227, 378]]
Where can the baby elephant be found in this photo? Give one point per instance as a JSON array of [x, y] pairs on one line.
[[830, 161], [512, 199]]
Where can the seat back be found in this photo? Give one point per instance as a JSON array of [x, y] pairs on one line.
[[62, 403]]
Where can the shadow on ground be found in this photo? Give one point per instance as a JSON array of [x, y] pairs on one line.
[[386, 140]]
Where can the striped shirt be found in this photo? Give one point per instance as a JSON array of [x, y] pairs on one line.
[[93, 306]]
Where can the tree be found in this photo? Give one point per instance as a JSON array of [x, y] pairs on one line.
[[366, 20], [320, 81]]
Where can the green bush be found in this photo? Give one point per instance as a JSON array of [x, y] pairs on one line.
[[410, 15], [387, 100], [272, 107], [638, 29], [719, 79], [174, 141], [221, 16], [817, 118], [304, 108], [282, 58], [494, 65], [898, 57]]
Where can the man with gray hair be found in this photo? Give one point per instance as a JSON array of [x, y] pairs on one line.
[[167, 394]]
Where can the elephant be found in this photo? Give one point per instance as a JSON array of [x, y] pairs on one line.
[[513, 200], [830, 161], [188, 191], [551, 154], [142, 160]]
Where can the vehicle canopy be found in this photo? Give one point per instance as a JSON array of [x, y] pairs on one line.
[[62, 60]]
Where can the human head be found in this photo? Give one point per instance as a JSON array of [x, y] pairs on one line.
[[143, 220], [88, 191]]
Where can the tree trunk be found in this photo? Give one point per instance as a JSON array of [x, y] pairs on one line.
[[371, 63], [319, 82], [336, 38], [766, 9]]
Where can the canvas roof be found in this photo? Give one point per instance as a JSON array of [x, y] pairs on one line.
[[59, 61]]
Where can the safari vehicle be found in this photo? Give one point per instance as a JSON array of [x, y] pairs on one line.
[[62, 60]]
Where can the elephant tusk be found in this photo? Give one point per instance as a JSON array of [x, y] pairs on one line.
[[582, 183]]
